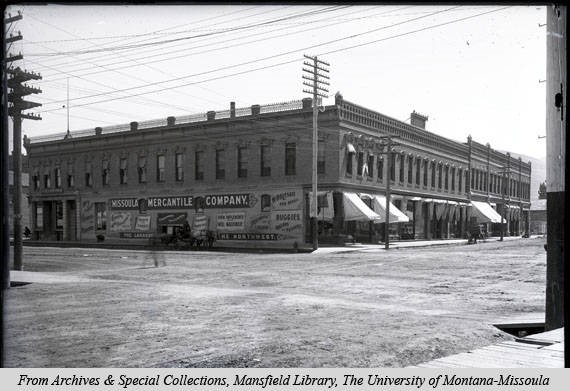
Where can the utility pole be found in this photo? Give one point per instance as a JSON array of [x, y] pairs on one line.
[[6, 42], [557, 292], [389, 144], [16, 111], [506, 174], [315, 80]]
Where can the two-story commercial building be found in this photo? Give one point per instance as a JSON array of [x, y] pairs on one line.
[[245, 174]]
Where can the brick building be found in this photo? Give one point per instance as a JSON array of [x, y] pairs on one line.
[[246, 175]]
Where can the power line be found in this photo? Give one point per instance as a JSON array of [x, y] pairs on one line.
[[179, 55], [139, 45], [285, 62], [264, 59]]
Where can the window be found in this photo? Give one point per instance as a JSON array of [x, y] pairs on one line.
[[242, 162], [57, 177], [349, 160], [265, 160], [290, 158], [446, 184], [410, 168], [321, 157], [432, 174], [380, 166], [36, 179], [105, 172], [392, 166], [39, 215], [123, 171], [418, 171], [440, 175], [100, 215], [359, 163], [459, 180], [472, 178], [402, 160], [70, 176], [179, 167], [199, 165], [265, 203], [426, 163], [370, 166], [160, 164], [220, 164], [452, 178], [47, 181], [141, 169]]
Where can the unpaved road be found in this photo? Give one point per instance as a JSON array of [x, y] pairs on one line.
[[112, 308]]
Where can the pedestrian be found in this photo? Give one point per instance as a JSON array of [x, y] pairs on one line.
[[156, 258]]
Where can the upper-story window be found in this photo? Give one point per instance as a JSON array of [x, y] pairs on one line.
[[452, 178], [410, 169], [426, 165], [220, 164], [359, 163], [290, 158], [88, 175], [160, 167], [418, 171], [321, 157], [36, 180], [70, 176], [460, 180], [199, 165], [47, 181], [432, 174], [446, 178], [402, 160], [440, 175], [242, 162], [141, 169], [57, 177], [265, 160], [105, 173], [349, 161], [123, 171], [370, 165], [380, 165], [179, 167]]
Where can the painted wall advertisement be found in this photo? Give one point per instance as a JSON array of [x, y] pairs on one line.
[[142, 223], [121, 221], [230, 221], [255, 216]]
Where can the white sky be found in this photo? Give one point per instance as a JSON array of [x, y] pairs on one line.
[[470, 74]]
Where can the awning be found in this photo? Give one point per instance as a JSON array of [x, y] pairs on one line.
[[396, 215], [485, 212], [356, 210], [350, 148]]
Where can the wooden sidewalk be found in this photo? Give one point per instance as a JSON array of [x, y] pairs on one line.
[[543, 350]]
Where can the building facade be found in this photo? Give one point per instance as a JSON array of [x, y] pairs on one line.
[[245, 174]]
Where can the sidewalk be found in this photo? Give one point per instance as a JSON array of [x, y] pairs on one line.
[[407, 244]]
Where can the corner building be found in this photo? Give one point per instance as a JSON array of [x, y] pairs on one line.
[[245, 174]]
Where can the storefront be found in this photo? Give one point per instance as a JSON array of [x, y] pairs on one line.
[[273, 218]]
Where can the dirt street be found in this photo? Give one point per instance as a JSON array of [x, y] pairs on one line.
[[113, 308]]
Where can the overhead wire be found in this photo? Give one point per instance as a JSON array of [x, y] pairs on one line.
[[265, 58], [143, 44], [181, 53]]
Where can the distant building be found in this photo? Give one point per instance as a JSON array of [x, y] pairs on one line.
[[538, 217], [25, 206], [245, 174]]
